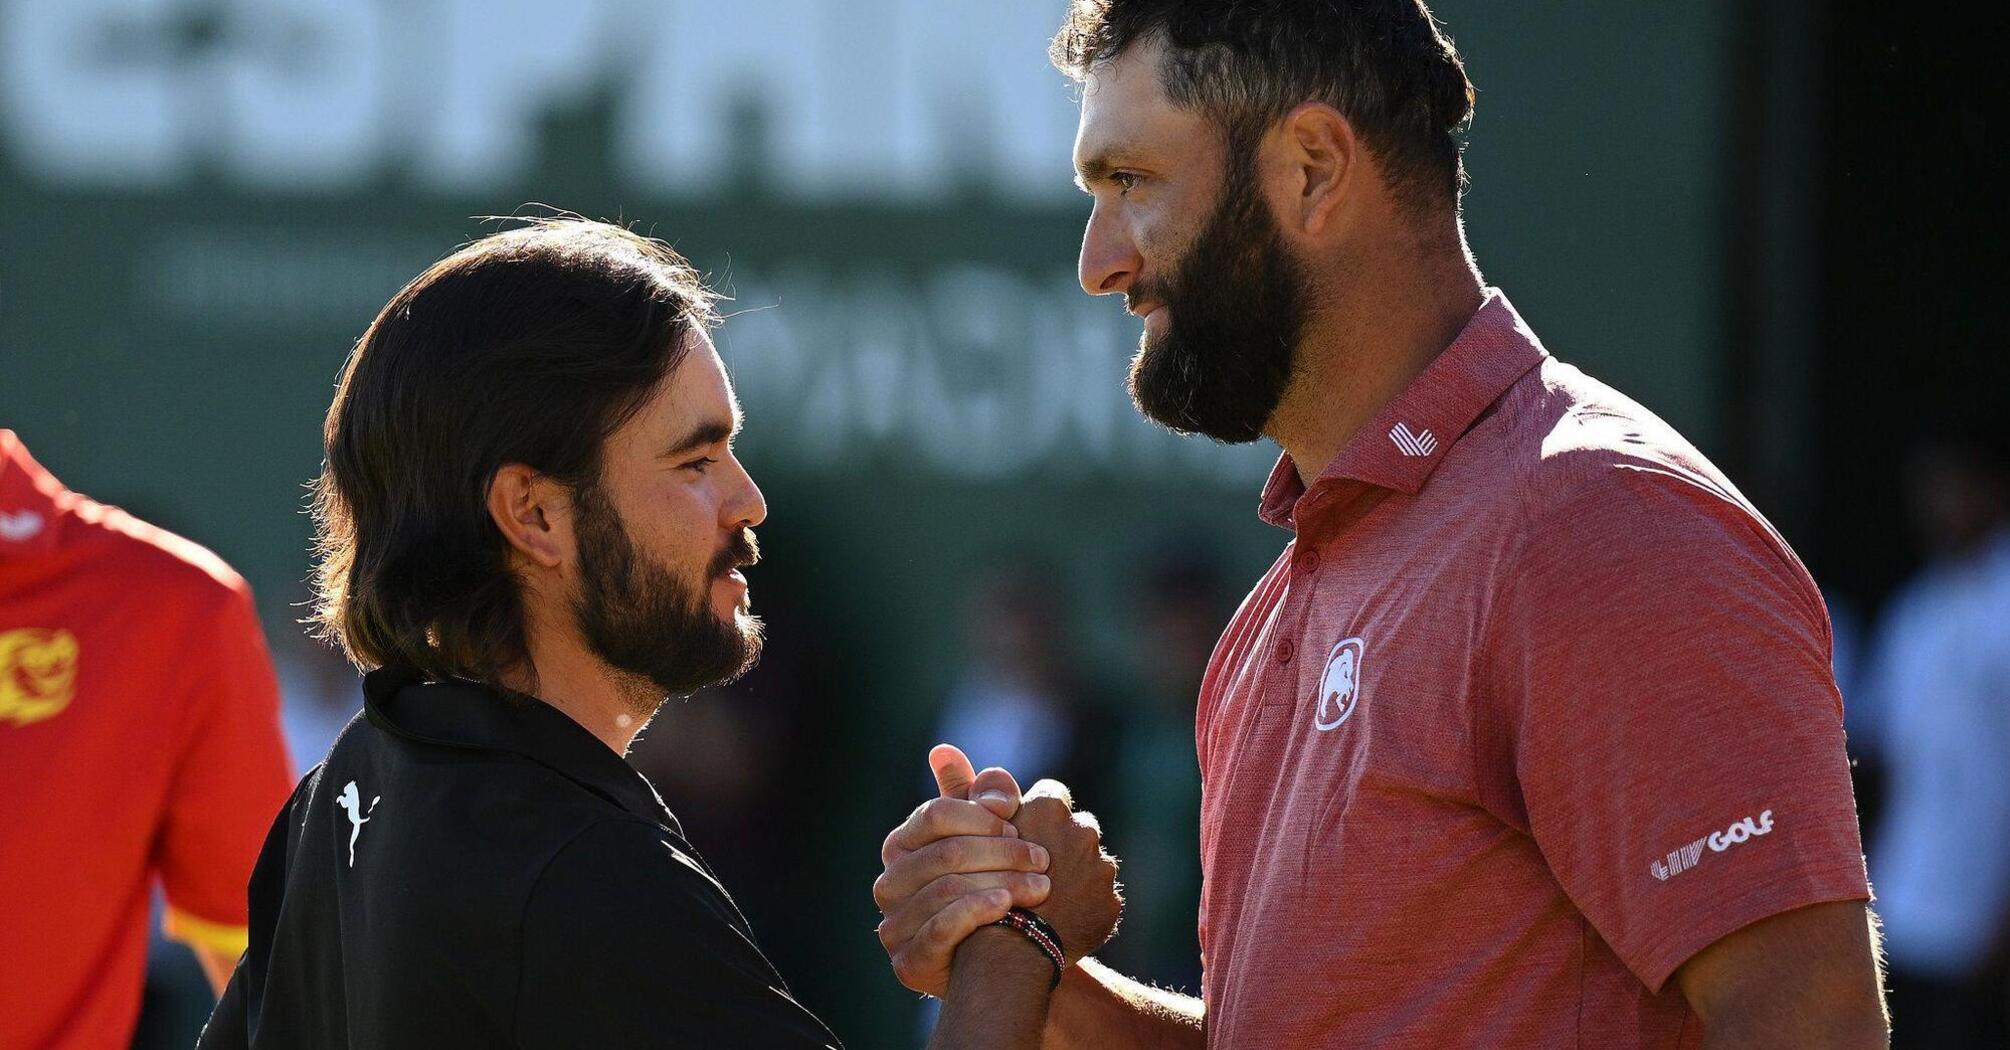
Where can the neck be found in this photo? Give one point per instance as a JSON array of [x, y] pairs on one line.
[[563, 673], [1374, 326]]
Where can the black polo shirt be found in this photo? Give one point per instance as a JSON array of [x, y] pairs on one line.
[[496, 877]]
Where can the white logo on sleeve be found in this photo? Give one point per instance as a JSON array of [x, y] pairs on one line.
[[1683, 858], [19, 526], [351, 800], [1340, 686]]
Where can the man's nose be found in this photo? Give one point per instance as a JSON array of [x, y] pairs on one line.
[[1110, 260], [747, 507]]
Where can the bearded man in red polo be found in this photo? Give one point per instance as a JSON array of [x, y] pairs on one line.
[[1529, 737]]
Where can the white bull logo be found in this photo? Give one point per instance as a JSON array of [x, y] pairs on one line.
[[1340, 686]]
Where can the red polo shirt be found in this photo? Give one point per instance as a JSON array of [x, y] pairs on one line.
[[139, 739], [1534, 707]]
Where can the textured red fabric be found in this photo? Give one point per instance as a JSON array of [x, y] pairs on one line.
[[139, 739], [1534, 707]]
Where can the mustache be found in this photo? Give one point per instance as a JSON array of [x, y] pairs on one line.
[[740, 551], [1143, 293]]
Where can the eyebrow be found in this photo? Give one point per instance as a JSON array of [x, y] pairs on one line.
[[707, 432], [1096, 169]]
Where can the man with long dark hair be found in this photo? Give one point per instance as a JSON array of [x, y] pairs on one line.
[[531, 530], [1529, 737]]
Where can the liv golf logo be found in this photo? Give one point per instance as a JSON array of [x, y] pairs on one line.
[[1686, 857]]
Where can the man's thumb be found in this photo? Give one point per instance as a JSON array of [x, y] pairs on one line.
[[953, 771]]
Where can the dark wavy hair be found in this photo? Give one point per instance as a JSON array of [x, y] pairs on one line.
[[1386, 64], [529, 346]]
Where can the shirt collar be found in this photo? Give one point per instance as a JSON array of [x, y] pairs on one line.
[[31, 501], [1404, 442], [474, 717]]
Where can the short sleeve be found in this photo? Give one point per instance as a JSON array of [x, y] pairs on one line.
[[627, 941], [229, 780], [1662, 664]]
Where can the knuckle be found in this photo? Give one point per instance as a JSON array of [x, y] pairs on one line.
[[892, 846], [936, 936], [945, 890]]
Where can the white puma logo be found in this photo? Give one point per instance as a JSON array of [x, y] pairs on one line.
[[352, 801]]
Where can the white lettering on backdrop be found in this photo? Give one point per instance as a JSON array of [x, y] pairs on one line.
[[866, 99], [970, 371]]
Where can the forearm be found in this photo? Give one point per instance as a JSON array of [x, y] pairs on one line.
[[998, 994], [1789, 1011], [1756, 1033], [1807, 977], [1829, 1022], [1097, 1008]]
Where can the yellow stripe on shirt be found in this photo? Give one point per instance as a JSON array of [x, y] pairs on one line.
[[201, 933]]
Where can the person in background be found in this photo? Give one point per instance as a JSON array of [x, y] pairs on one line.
[[139, 740], [1022, 702], [1154, 796], [1021, 699], [1940, 676]]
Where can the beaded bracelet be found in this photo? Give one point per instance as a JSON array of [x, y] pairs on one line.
[[1041, 933]]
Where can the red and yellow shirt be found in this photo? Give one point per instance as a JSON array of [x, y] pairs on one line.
[[139, 739]]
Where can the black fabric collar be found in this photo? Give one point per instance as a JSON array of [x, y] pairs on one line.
[[473, 716]]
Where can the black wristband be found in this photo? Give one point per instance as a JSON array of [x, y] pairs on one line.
[[1047, 928], [1041, 933]]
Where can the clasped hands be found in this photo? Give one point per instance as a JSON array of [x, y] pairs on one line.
[[961, 861]]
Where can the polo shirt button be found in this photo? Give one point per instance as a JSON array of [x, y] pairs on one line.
[[1284, 650], [1308, 563]]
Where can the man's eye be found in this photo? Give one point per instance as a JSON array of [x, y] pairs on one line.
[[1124, 181], [699, 465]]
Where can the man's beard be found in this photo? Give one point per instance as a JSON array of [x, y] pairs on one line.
[[641, 619], [1235, 306]]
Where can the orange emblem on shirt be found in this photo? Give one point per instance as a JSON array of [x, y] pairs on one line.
[[38, 673]]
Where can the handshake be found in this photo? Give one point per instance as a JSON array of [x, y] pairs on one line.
[[960, 862]]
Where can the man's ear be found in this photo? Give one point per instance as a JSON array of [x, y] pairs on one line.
[[534, 513], [1321, 154]]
